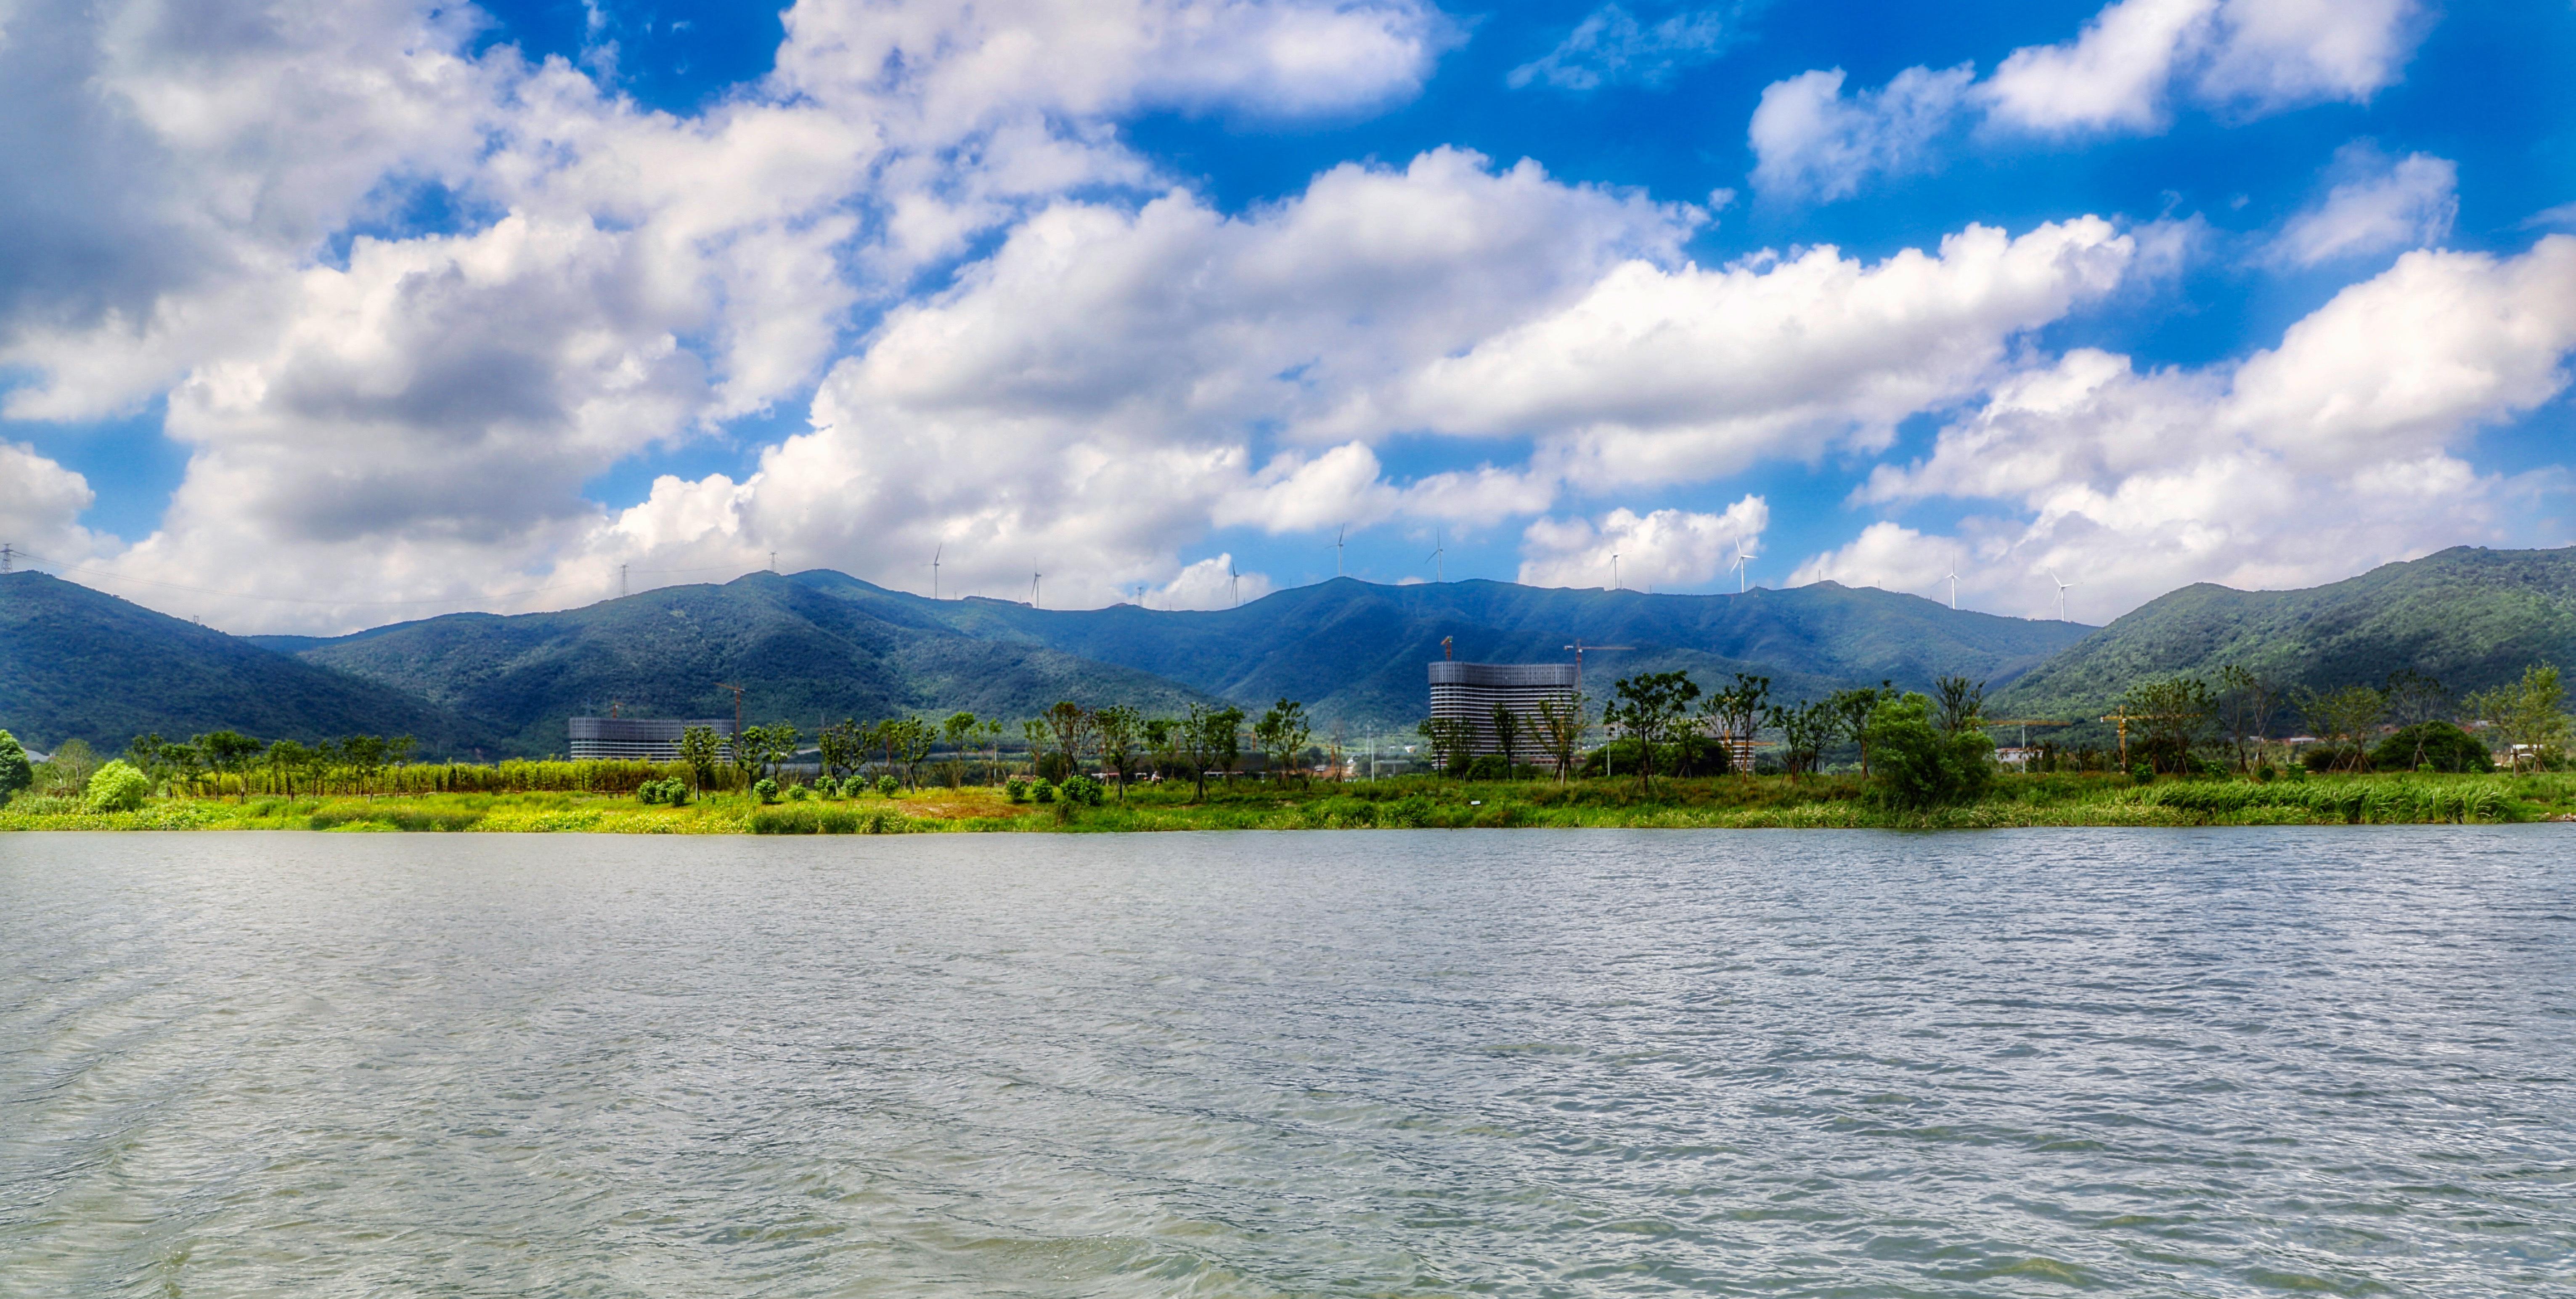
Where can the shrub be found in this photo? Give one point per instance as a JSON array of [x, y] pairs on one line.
[[1914, 765], [2444, 747], [1083, 791], [1489, 766], [826, 787], [766, 790], [15, 772], [1042, 792], [118, 787], [649, 792], [887, 785], [1016, 789], [799, 793]]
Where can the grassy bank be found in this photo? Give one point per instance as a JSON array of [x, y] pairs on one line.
[[1748, 802]]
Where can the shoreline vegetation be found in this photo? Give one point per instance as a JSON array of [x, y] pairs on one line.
[[2386, 756], [1836, 801]]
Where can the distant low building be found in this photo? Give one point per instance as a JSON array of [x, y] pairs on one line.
[[1467, 692], [640, 739]]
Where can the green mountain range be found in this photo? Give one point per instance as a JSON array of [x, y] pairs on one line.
[[76, 663], [2470, 618], [820, 645]]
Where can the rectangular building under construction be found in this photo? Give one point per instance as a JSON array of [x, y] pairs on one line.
[[640, 739], [1467, 692]]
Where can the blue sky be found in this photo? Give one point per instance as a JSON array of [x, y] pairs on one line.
[[381, 310]]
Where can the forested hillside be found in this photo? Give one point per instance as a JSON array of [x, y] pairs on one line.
[[2471, 618]]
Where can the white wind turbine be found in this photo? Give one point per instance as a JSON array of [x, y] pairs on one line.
[[1233, 582], [1438, 572], [2062, 584], [1338, 539], [1954, 578], [1742, 566], [1614, 570], [941, 549], [1033, 589]]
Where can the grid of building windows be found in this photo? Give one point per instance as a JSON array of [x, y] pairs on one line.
[[1468, 692], [640, 739]]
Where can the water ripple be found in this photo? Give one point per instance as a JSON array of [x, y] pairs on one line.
[[2230, 1062]]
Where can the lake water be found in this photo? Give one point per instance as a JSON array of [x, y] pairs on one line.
[[2225, 1062]]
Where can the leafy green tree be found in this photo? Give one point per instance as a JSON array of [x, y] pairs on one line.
[[1736, 713], [1806, 731], [1962, 704], [118, 787], [2529, 716], [701, 748], [960, 731], [841, 747], [1561, 723], [287, 760], [229, 752], [1034, 731], [1163, 744], [913, 739], [69, 770], [16, 773], [2431, 746], [1452, 742], [1119, 729], [1071, 726], [2172, 717], [1507, 736], [2246, 701], [1282, 733], [1852, 710], [992, 730], [180, 764], [1919, 764], [1209, 737], [1649, 707], [764, 747], [2344, 719]]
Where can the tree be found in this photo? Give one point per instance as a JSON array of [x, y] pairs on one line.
[[841, 747], [1650, 707], [1806, 731], [180, 764], [118, 787], [1736, 713], [1163, 744], [992, 731], [2246, 701], [2434, 745], [2414, 699], [286, 758], [700, 747], [1560, 731], [1034, 732], [2344, 719], [1852, 709], [1507, 735], [1205, 738], [1919, 764], [1452, 742], [767, 746], [365, 756], [960, 729], [230, 752], [16, 773], [1072, 728], [908, 741], [2172, 714], [2529, 715], [1225, 739], [1961, 705], [1282, 733], [1119, 727]]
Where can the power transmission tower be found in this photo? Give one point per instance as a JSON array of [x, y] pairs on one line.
[[737, 713], [7, 554]]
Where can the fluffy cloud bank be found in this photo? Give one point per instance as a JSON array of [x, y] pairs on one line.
[[2306, 462], [1666, 548], [2122, 73]]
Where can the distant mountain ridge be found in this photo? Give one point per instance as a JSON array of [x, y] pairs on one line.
[[820, 644], [76, 663], [2470, 617]]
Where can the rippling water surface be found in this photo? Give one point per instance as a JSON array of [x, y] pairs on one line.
[[2225, 1062]]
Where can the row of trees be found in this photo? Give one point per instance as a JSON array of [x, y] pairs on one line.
[[2410, 721]]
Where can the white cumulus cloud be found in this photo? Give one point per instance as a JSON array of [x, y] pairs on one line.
[[2378, 204], [2120, 74], [1660, 549]]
